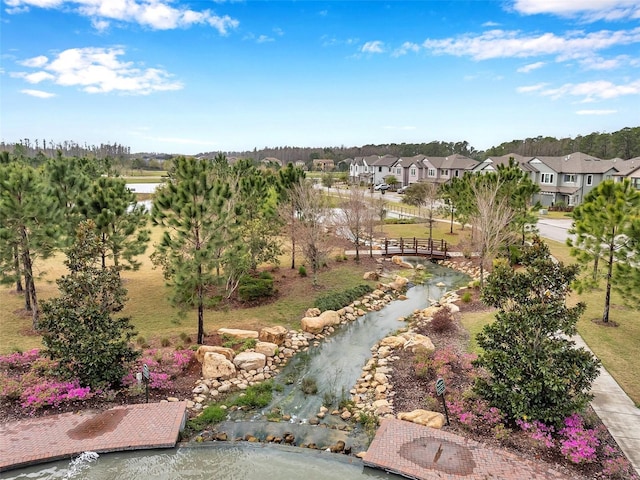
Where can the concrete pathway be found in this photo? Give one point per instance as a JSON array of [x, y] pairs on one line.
[[55, 437], [617, 412], [425, 453]]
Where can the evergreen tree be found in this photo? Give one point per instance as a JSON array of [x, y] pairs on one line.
[[605, 226], [79, 329], [29, 228], [533, 369], [120, 220], [199, 228]]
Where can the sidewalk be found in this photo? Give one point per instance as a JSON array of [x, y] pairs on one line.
[[617, 412], [55, 437]]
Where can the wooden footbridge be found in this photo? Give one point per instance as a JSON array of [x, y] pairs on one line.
[[422, 247]]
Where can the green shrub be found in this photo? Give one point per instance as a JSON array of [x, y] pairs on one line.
[[252, 288], [466, 297], [302, 271], [211, 414], [337, 300], [309, 386], [165, 342], [256, 396]]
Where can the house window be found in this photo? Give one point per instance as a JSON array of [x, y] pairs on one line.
[[413, 172], [457, 173], [398, 171], [589, 180], [432, 172], [569, 178], [445, 173], [546, 178]]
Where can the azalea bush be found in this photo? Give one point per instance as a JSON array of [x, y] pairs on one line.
[[164, 367]]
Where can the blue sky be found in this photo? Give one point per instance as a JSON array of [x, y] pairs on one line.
[[194, 76]]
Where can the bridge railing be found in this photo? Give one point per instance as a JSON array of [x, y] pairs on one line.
[[432, 247]]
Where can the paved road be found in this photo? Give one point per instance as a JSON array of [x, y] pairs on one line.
[[554, 229]]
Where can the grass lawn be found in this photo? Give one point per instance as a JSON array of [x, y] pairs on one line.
[[154, 317]]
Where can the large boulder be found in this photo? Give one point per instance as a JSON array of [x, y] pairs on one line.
[[276, 334], [202, 349], [397, 260], [371, 276], [216, 366], [250, 361], [317, 324], [417, 343], [236, 333], [393, 341], [399, 283], [423, 417], [268, 349]]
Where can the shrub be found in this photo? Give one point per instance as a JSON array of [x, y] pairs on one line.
[[211, 414], [337, 300], [302, 271], [52, 393], [442, 320], [256, 396], [309, 386], [165, 342], [466, 297], [252, 288], [578, 444]]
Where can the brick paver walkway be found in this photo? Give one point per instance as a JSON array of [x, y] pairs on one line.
[[129, 427], [425, 453]]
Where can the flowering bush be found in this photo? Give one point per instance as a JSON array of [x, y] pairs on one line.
[[475, 414], [164, 366], [538, 431], [578, 444], [18, 360], [52, 393]]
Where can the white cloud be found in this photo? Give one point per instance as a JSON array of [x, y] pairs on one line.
[[35, 62], [490, 24], [530, 67], [596, 112], [405, 48], [38, 93], [507, 44], [531, 88], [589, 10], [599, 63], [592, 91], [155, 14], [98, 70], [375, 46], [264, 39]]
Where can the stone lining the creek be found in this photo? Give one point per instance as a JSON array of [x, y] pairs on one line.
[[372, 394]]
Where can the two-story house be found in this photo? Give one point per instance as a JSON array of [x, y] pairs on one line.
[[567, 179], [628, 169], [443, 169]]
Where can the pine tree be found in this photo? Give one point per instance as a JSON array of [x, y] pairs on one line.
[[606, 229]]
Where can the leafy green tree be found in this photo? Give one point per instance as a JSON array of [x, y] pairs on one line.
[[120, 220], [79, 329], [605, 226], [328, 180], [533, 369], [200, 233], [29, 228]]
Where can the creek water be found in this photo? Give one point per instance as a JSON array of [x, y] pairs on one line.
[[334, 366]]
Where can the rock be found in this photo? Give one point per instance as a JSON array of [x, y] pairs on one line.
[[216, 365], [393, 341], [236, 333], [276, 334], [312, 312], [221, 437], [399, 284], [397, 260], [417, 343], [172, 399], [453, 308], [346, 415], [250, 361], [317, 324], [371, 276], [338, 447], [423, 417], [268, 349], [202, 349]]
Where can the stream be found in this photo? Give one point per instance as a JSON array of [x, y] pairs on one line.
[[335, 365]]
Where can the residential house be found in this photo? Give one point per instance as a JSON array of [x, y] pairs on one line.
[[408, 170], [323, 164], [370, 170], [567, 179], [628, 169], [442, 169]]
